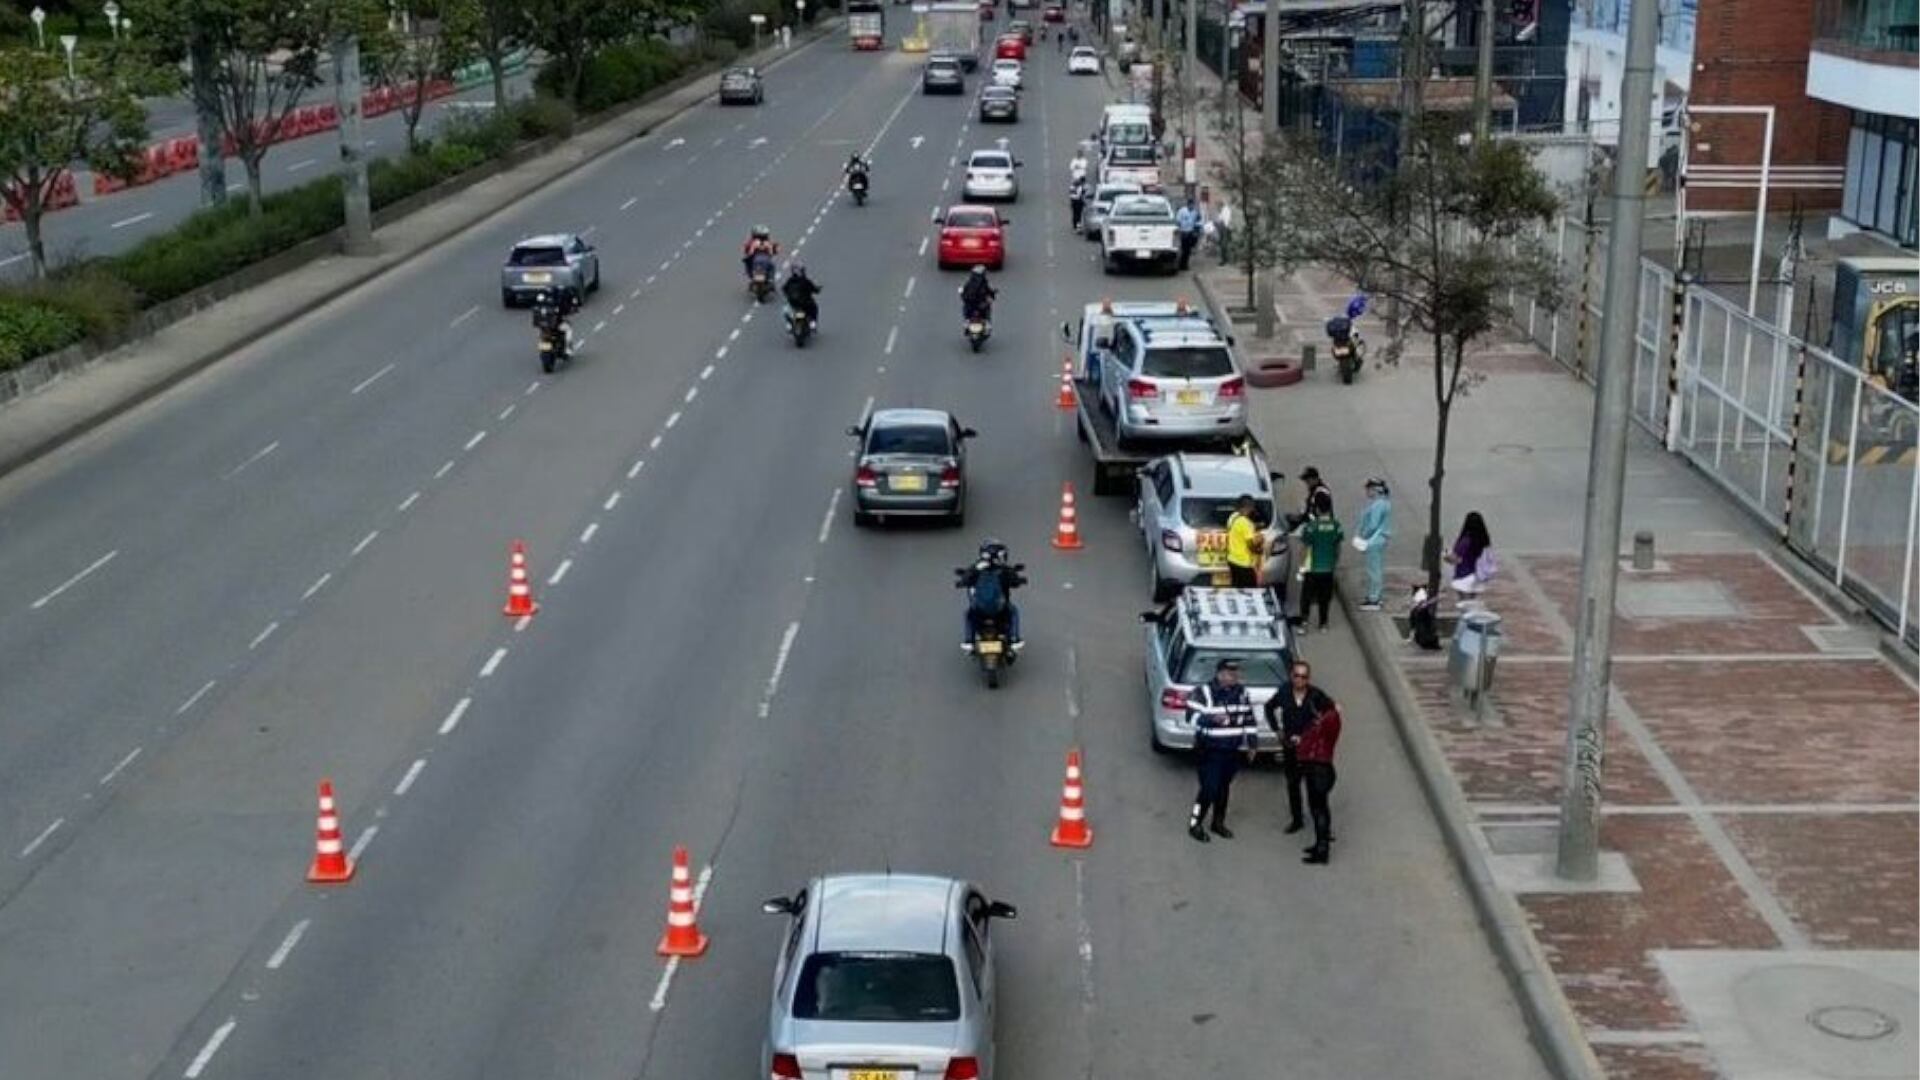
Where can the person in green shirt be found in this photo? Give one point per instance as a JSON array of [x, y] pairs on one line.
[[1320, 537]]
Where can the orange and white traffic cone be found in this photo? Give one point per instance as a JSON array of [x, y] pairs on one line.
[[683, 936], [1067, 536], [1072, 829], [519, 588], [1065, 400], [331, 864]]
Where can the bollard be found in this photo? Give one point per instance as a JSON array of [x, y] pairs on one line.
[[1306, 357], [1643, 550]]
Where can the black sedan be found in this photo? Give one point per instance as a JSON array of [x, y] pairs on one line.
[[1000, 103]]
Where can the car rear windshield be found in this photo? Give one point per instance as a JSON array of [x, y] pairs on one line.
[[1129, 134], [990, 161], [882, 988], [943, 66], [997, 93], [1131, 155], [1137, 210], [1257, 668], [1205, 513], [970, 219], [908, 440], [537, 256], [1194, 362], [1107, 194]]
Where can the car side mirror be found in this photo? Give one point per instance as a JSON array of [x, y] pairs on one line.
[[1000, 909], [779, 905], [1066, 331], [969, 433], [936, 217], [1272, 475], [855, 431]]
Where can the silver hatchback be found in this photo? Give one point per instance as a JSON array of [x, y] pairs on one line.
[[1183, 504], [883, 977], [541, 263]]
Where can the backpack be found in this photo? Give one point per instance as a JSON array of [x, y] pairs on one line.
[[989, 594], [1423, 622], [1487, 566]]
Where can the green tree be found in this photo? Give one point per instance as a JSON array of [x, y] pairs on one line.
[[1447, 235], [53, 115], [427, 44], [1252, 172], [490, 30], [571, 31]]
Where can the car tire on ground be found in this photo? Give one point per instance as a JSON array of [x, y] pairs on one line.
[[862, 519], [1275, 372], [506, 298]]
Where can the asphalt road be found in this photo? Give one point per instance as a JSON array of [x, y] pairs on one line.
[[109, 224], [292, 567]]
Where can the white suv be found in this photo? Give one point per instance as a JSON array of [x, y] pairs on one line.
[[1171, 379]]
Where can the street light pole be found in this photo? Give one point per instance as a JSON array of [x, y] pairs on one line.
[[1579, 847], [68, 42], [1483, 76], [39, 17]]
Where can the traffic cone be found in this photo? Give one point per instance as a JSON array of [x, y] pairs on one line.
[[1067, 536], [331, 866], [1065, 400], [519, 589], [1072, 829], [683, 936]]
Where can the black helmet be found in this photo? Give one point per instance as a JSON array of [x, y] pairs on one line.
[[761, 232]]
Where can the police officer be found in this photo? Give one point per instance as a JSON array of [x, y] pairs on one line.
[[1291, 714], [1223, 732]]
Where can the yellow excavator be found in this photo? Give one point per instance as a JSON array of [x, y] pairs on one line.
[[1876, 324]]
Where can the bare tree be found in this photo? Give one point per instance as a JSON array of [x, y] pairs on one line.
[[427, 44]]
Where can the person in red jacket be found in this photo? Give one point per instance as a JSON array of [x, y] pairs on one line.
[[1313, 749]]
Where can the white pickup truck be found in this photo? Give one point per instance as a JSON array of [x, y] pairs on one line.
[[1138, 231], [1131, 164]]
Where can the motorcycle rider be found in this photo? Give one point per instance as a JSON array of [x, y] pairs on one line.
[[977, 296], [995, 597], [760, 243], [550, 311], [857, 167], [799, 289]]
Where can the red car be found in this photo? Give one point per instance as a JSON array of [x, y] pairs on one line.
[[972, 236], [1009, 48], [1053, 13]]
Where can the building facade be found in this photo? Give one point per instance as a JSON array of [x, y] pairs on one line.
[[1864, 59]]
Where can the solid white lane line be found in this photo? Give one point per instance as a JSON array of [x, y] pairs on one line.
[[205, 1056], [587, 534], [257, 455], [11, 259], [672, 966], [893, 334], [406, 504], [287, 943], [318, 584], [826, 522], [628, 205], [453, 718], [442, 471], [134, 220], [654, 443], [260, 638], [506, 412], [613, 500], [413, 773], [364, 541], [475, 440], [673, 419], [45, 834], [306, 163], [360, 843], [76, 579], [692, 392], [634, 470], [116, 770], [559, 572], [195, 699], [706, 373], [923, 245], [464, 316], [493, 662]]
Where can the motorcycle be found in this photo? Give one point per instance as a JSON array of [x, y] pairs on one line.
[[978, 329], [553, 339], [857, 184], [799, 325], [992, 642], [1348, 355], [760, 279]]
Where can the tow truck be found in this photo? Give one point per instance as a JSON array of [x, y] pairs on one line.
[[1115, 466]]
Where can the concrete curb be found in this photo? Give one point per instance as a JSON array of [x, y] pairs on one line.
[[79, 360]]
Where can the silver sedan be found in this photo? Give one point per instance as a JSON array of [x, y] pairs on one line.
[[912, 463]]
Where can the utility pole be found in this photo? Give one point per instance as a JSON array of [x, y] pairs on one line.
[[1483, 77], [1192, 49], [206, 116], [1579, 849], [353, 153], [1413, 82], [1270, 68]]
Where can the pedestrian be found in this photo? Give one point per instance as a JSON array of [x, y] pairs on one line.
[[1187, 224], [1290, 714], [1223, 228], [1313, 750], [1370, 536], [1309, 479], [1472, 558], [1320, 538], [1244, 544], [1223, 730], [1077, 199]]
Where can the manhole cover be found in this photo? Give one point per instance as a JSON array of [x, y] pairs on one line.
[[1698, 599], [1860, 1023]]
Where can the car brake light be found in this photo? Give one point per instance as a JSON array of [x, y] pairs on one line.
[[1171, 540], [1141, 388], [963, 1068], [1233, 388], [865, 477], [1173, 698], [785, 1067], [950, 477]]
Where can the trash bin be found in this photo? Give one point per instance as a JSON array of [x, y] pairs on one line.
[[1476, 645]]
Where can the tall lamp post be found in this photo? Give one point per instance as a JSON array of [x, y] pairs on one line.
[[112, 12], [68, 42], [39, 17]]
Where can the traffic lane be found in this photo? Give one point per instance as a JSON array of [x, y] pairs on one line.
[[335, 453], [606, 617]]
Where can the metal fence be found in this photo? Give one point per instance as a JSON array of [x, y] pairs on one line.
[[1832, 467]]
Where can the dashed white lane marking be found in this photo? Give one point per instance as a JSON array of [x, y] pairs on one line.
[[364, 542], [45, 835], [747, 317], [117, 769], [893, 334], [360, 843], [559, 572], [651, 278], [76, 579], [318, 584], [826, 522], [493, 662], [779, 667], [721, 352], [589, 231], [205, 1056], [134, 220], [475, 440], [673, 419], [923, 245], [654, 443], [953, 161], [659, 1000], [587, 534], [406, 504], [599, 326], [304, 163], [692, 392], [618, 308], [613, 500], [706, 373], [628, 205], [442, 471], [522, 623], [634, 469], [533, 388], [413, 773], [257, 455], [287, 944], [453, 718], [260, 638], [195, 699], [947, 183], [911, 280], [464, 316], [734, 334], [506, 412], [665, 266]]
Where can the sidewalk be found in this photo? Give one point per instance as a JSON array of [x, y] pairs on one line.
[[1756, 914]]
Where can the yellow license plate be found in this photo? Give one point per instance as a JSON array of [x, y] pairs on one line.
[[907, 482], [1222, 578], [873, 1074], [536, 279], [989, 648], [1188, 397]]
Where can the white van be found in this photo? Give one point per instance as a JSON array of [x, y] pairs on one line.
[[1126, 125]]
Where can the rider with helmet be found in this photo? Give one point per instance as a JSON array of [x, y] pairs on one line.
[[799, 289], [550, 311], [990, 582], [760, 244], [977, 296]]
